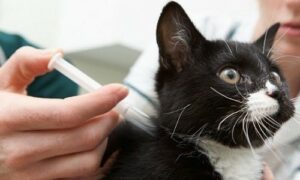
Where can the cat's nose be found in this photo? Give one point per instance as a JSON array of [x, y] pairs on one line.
[[274, 93], [272, 90]]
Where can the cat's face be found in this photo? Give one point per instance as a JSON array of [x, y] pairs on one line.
[[226, 91]]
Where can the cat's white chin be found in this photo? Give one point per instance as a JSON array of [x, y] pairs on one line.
[[260, 105]]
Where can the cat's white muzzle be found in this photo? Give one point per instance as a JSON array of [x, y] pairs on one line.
[[260, 105]]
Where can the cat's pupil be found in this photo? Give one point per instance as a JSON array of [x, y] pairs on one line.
[[231, 74]]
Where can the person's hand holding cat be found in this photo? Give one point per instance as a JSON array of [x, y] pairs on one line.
[[51, 138], [267, 174]]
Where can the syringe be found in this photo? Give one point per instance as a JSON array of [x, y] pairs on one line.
[[130, 113]]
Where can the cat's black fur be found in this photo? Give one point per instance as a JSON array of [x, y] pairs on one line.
[[189, 67]]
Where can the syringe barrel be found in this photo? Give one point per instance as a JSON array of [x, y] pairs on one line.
[[84, 81], [130, 113]]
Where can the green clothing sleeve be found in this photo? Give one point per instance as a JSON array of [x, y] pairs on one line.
[[51, 85]]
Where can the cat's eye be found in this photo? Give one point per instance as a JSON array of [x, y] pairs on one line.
[[230, 75], [275, 76]]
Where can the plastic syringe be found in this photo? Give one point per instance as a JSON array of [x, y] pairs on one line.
[[130, 113]]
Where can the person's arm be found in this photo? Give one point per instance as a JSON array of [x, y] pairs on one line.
[[43, 138], [51, 85]]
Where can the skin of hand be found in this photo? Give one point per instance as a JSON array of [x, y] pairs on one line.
[[51, 138], [267, 174]]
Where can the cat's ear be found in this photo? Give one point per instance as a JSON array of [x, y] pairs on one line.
[[265, 41], [176, 36]]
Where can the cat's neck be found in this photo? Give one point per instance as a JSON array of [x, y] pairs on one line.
[[232, 163]]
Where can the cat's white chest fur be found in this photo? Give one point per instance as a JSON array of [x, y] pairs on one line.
[[233, 164]]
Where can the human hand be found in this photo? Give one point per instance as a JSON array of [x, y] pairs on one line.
[[51, 138], [267, 175]]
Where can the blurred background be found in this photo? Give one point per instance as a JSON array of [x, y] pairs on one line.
[[103, 37]]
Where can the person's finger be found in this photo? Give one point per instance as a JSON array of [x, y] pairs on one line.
[[23, 66], [267, 174], [109, 163], [101, 172], [36, 146], [74, 165], [40, 114]]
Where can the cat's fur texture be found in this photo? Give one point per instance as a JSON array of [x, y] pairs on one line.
[[218, 101]]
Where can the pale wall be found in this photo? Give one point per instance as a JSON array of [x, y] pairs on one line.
[[81, 24]]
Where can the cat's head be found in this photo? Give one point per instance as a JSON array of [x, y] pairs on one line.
[[227, 91]]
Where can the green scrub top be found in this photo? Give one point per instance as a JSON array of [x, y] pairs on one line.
[[51, 85]]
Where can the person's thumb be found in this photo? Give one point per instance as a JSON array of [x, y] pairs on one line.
[[23, 66]]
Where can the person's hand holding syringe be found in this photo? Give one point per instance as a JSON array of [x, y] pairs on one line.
[[130, 113]]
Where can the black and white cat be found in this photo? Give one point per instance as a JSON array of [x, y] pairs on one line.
[[219, 101]]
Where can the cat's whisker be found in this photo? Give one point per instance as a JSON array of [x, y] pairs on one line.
[[277, 41], [272, 19], [259, 134], [244, 127], [264, 43], [179, 119], [249, 141], [178, 110], [271, 120], [196, 135], [278, 52], [183, 154], [228, 47], [269, 146], [279, 55], [267, 133], [237, 121], [270, 123], [259, 121], [256, 130], [267, 142], [296, 120], [296, 115], [264, 139], [239, 92], [225, 96], [202, 129], [245, 86], [286, 56], [293, 100], [270, 132], [235, 112]]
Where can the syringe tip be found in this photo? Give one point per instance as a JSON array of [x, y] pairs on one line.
[[140, 119]]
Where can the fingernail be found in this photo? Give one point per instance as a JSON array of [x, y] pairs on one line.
[[121, 91]]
